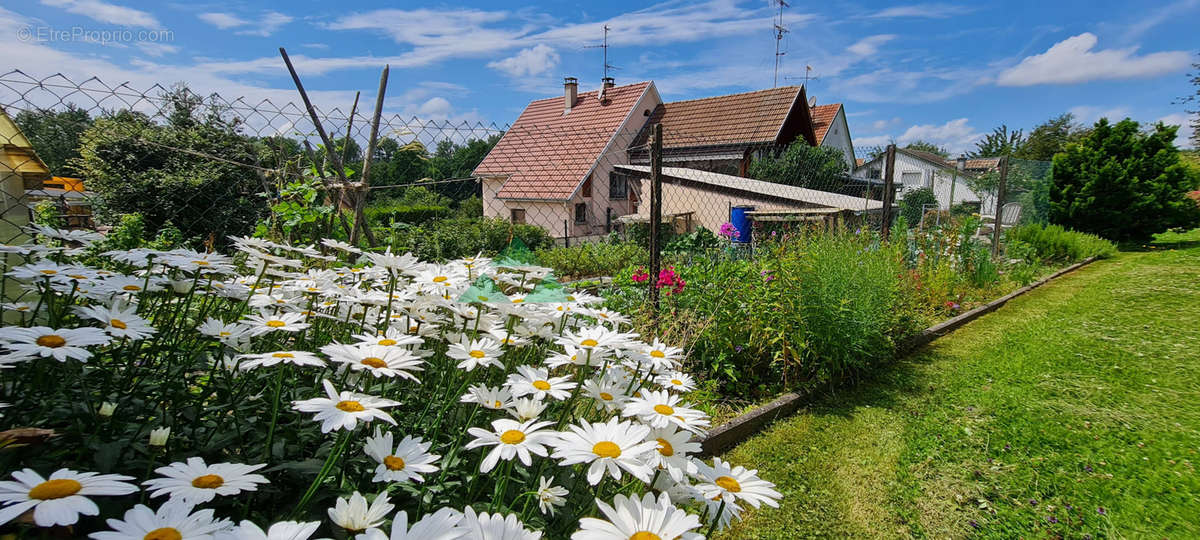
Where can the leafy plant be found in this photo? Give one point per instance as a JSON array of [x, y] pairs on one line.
[[1055, 243]]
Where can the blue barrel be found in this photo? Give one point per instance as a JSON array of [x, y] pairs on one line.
[[739, 219]]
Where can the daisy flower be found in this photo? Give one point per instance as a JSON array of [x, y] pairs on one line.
[[735, 484], [226, 332], [61, 344], [262, 323], [39, 270], [494, 527], [440, 525], [677, 381], [409, 460], [573, 356], [268, 359], [645, 518], [549, 496], [339, 245], [355, 515], [60, 499], [660, 356], [173, 520], [393, 337], [511, 439], [526, 408], [490, 398], [476, 353], [609, 446], [343, 410], [594, 339], [674, 447], [403, 263], [195, 482], [606, 391], [284, 530], [659, 408], [537, 382], [378, 360]]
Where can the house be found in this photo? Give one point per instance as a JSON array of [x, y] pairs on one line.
[[695, 198], [20, 168], [553, 167], [70, 195], [723, 134], [948, 179]]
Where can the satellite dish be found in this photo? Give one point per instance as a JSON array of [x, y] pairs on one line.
[[812, 101]]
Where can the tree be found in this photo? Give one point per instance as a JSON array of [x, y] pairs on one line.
[[914, 204], [55, 135], [1123, 184], [1049, 138], [926, 146], [802, 165], [998, 143]]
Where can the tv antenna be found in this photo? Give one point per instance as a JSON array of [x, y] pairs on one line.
[[780, 30], [806, 77], [603, 45]]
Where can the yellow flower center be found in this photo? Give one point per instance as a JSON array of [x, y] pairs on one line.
[[131, 288], [274, 323], [589, 342], [440, 279], [224, 333], [517, 300], [606, 396], [607, 449], [49, 272], [283, 355], [664, 410], [350, 406], [497, 404], [512, 436], [208, 481], [386, 342], [374, 362], [644, 535], [676, 382], [477, 354], [53, 341], [657, 354], [116, 323], [483, 298], [393, 463], [541, 385], [164, 533], [665, 448], [728, 483], [77, 276], [201, 263], [55, 489]]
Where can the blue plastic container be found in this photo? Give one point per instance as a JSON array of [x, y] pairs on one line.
[[739, 219]]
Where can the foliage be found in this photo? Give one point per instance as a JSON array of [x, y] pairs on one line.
[[453, 238], [48, 213], [926, 146], [700, 240], [1050, 138], [592, 259], [915, 203], [297, 213], [1123, 184], [998, 143], [55, 135], [1053, 243], [162, 171], [802, 165]]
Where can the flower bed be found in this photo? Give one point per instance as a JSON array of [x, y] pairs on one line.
[[286, 391]]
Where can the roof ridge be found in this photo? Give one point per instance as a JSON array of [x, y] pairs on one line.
[[581, 94], [797, 89]]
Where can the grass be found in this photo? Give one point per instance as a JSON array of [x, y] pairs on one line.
[[1070, 412]]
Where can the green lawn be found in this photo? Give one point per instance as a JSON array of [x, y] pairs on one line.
[[1073, 410]]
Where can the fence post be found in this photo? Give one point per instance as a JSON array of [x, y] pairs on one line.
[[655, 214], [889, 190], [567, 229], [1001, 193]]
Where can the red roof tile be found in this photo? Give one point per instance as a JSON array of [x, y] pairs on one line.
[[746, 118], [823, 116], [546, 154]]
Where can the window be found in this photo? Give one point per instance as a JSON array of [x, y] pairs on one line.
[[875, 174], [911, 179], [517, 215], [587, 186], [618, 186], [581, 213]]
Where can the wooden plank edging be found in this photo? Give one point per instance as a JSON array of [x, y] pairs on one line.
[[739, 429]]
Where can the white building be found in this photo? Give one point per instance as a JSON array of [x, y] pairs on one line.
[[915, 169]]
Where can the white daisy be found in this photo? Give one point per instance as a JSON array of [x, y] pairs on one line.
[[440, 525], [60, 499], [61, 344], [490, 398], [535, 381], [355, 515], [511, 439], [476, 353], [644, 519], [343, 410], [494, 527], [550, 496], [673, 451], [119, 322], [378, 360], [677, 381], [283, 530], [173, 520], [526, 408], [393, 337], [660, 356], [734, 484], [268, 359], [195, 482], [659, 408], [262, 323], [408, 461], [226, 332], [339, 245], [609, 446], [608, 392]]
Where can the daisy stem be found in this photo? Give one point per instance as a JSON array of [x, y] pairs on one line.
[[716, 519], [502, 485], [274, 412], [334, 453]]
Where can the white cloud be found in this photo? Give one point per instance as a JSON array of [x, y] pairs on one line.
[[1159, 16], [436, 107], [1089, 114], [222, 20], [156, 49], [955, 135], [1073, 61], [267, 25], [868, 46], [529, 62], [882, 124], [874, 140], [105, 12], [926, 11], [1183, 137]]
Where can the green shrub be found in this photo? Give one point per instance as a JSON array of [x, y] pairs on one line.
[[1054, 243], [398, 212], [453, 238], [914, 204], [593, 259]]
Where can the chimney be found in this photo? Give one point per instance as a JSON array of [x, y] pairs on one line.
[[962, 163], [570, 92], [608, 82]]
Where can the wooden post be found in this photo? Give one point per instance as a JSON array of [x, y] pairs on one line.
[[366, 172], [889, 190], [567, 228], [655, 214], [1001, 193]]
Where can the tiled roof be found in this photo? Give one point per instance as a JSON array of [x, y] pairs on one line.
[[747, 118], [546, 154], [822, 117], [759, 187], [977, 164], [929, 156]]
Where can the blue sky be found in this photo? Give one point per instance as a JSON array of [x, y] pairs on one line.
[[945, 72]]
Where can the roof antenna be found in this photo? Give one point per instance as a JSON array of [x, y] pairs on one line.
[[780, 30], [607, 66]]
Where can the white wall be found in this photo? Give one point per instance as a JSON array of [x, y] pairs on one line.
[[930, 176], [838, 137]]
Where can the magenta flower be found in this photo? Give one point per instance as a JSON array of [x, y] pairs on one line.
[[640, 276], [729, 231]]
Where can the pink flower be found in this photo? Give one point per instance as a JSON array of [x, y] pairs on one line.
[[729, 231], [640, 276]]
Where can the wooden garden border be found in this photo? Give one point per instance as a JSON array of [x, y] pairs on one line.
[[739, 429]]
